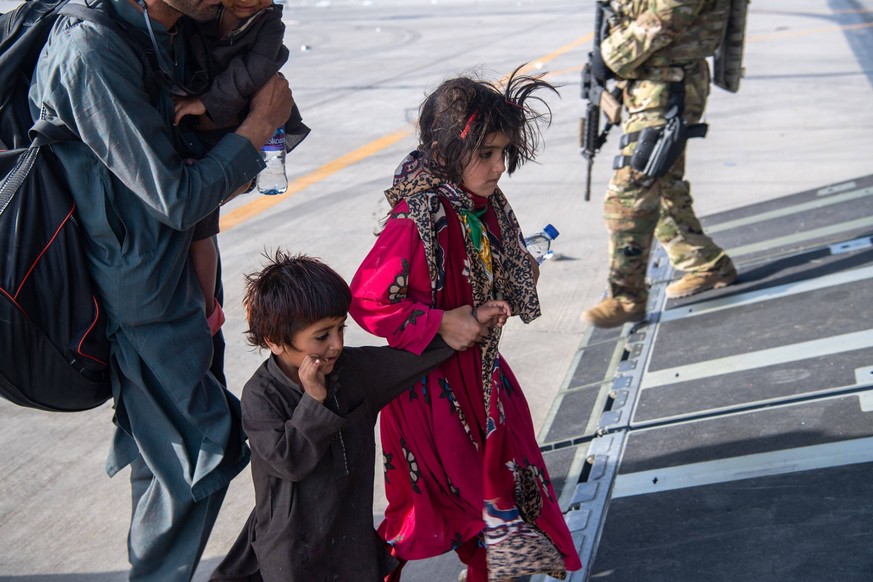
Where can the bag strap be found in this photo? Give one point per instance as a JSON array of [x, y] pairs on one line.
[[90, 14], [45, 133], [101, 13]]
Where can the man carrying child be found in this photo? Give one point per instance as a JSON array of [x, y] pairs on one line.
[[139, 195]]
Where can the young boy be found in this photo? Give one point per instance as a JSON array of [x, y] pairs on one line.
[[310, 412], [243, 48]]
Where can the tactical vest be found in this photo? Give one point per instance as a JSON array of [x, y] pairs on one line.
[[701, 38]]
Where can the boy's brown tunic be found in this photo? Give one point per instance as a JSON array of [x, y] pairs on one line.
[[313, 469]]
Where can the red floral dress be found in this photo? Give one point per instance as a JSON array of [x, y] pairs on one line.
[[463, 470]]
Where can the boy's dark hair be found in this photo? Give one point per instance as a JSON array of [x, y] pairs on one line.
[[455, 119], [289, 294]]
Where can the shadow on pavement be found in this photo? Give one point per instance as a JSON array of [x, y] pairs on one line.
[[201, 575]]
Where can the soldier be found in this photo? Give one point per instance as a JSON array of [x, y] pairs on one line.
[[656, 50]]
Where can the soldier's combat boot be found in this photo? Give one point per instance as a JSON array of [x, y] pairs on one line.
[[721, 275], [612, 312]]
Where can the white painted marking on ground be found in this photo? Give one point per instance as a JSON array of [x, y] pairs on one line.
[[745, 467], [760, 359], [778, 292], [811, 234], [790, 210]]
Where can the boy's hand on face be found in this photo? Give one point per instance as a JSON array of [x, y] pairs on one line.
[[312, 378]]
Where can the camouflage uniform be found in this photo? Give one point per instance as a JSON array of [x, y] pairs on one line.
[[652, 43]]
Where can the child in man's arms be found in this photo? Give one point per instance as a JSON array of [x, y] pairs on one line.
[[242, 48]]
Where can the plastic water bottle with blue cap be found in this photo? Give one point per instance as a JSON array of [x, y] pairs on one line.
[[540, 244], [272, 179]]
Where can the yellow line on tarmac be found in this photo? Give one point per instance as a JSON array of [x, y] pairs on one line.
[[240, 214], [556, 53]]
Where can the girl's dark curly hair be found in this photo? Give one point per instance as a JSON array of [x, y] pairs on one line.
[[455, 119], [289, 294]]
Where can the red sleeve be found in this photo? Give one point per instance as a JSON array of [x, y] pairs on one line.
[[391, 292]]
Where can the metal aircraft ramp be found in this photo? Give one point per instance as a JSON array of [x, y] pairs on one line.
[[730, 437]]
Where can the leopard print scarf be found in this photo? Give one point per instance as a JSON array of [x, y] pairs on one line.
[[420, 189]]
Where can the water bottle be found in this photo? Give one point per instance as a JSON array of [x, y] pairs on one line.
[[272, 179], [539, 244]]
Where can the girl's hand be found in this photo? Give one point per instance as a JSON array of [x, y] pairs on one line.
[[461, 330], [312, 378], [493, 313]]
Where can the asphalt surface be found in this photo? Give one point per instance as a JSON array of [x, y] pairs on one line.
[[359, 70]]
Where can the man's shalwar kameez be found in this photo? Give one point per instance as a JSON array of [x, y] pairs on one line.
[[137, 201]]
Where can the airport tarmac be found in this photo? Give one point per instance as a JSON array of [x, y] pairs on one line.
[[359, 69]]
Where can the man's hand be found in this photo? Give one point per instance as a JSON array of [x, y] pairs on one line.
[[269, 109]]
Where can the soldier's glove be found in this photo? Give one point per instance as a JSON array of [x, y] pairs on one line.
[[599, 70]]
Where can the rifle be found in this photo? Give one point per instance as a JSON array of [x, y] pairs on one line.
[[599, 98]]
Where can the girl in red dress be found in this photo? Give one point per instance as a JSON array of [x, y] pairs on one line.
[[463, 470]]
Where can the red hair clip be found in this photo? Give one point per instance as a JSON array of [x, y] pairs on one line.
[[469, 125]]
